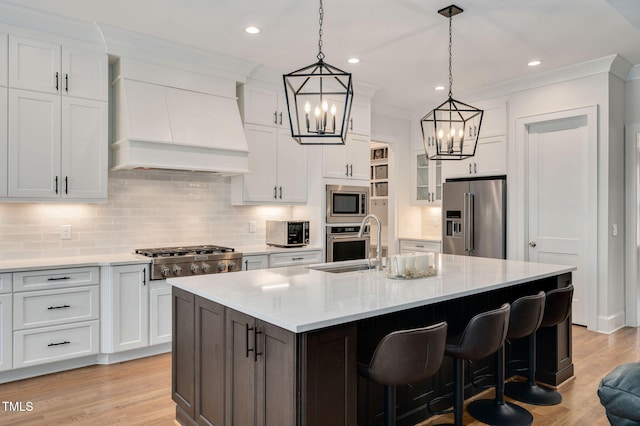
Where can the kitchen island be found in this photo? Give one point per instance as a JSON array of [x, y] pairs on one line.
[[281, 346]]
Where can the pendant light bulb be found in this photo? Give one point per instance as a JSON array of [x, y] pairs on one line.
[[307, 107]]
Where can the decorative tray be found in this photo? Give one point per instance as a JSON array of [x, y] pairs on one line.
[[414, 274]]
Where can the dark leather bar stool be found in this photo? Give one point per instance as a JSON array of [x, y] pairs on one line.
[[484, 335], [405, 357], [557, 309], [525, 318]]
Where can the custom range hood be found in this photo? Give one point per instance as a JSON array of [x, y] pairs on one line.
[[172, 119]]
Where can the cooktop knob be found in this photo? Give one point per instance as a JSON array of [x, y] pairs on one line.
[[205, 268], [195, 268], [221, 267], [177, 270], [165, 271], [230, 266]]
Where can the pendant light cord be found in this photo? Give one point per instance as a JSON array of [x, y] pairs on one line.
[[320, 54], [450, 66]]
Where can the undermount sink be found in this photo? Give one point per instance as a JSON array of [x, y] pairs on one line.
[[340, 267]]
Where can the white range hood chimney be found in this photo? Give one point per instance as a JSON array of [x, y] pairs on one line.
[[174, 119]]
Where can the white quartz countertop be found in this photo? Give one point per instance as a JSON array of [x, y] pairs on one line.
[[71, 261], [265, 249], [299, 299]]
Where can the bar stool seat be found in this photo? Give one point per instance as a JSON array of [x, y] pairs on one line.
[[404, 357], [525, 318], [484, 335], [557, 309]]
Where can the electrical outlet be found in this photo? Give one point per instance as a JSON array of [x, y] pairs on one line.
[[615, 230], [252, 226], [65, 232]]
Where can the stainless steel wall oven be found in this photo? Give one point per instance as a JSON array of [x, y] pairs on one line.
[[343, 243]]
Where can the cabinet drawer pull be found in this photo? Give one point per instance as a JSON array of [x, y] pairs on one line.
[[246, 265], [280, 118], [281, 193], [347, 170], [56, 180], [275, 117], [350, 169], [58, 307], [66, 83], [58, 278], [66, 184], [255, 345], [275, 192], [297, 258], [56, 81], [59, 343], [419, 245]]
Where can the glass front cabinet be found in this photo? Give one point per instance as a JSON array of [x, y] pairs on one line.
[[427, 177]]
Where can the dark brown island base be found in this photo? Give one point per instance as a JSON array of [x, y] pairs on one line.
[[281, 346]]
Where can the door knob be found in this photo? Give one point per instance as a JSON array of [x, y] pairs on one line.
[[532, 244]]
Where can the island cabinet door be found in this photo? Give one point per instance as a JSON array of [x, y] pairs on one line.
[[275, 376], [183, 356], [209, 362], [240, 368]]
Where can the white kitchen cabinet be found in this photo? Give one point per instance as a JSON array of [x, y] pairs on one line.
[[427, 176], [55, 315], [264, 105], [4, 173], [360, 121], [278, 168], [411, 246], [6, 329], [490, 160], [292, 258], [64, 156], [255, 261], [124, 305], [4, 59], [49, 67], [159, 312], [348, 161]]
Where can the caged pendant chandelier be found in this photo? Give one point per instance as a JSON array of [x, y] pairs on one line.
[[451, 130], [319, 100]]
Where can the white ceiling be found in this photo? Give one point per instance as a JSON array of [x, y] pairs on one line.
[[402, 44]]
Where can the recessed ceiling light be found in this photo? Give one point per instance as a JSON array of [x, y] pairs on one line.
[[439, 88], [354, 60], [534, 63], [253, 30]]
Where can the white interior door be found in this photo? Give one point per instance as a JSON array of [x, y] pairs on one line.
[[558, 198]]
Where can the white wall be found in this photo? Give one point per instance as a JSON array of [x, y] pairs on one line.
[[145, 209]]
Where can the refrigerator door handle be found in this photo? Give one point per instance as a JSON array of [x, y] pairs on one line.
[[468, 218]]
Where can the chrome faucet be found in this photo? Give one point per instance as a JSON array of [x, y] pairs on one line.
[[379, 242]]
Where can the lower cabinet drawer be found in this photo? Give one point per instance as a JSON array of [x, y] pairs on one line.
[[53, 307], [294, 258], [57, 343], [55, 278]]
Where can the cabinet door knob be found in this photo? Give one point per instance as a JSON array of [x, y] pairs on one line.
[[532, 244]]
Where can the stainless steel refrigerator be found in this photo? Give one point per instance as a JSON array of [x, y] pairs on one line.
[[474, 220]]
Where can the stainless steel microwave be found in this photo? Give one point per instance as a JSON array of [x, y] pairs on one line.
[[287, 233], [347, 204]]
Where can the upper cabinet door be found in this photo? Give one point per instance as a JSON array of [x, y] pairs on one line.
[[4, 59], [34, 65], [360, 123], [261, 106], [84, 149], [34, 150], [3, 141], [84, 73]]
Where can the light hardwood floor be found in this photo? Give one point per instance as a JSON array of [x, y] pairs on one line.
[[139, 392]]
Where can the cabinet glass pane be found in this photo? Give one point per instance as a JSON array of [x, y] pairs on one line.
[[422, 160], [438, 180], [422, 193], [422, 176]]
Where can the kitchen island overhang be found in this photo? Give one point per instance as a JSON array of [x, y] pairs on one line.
[[322, 324]]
